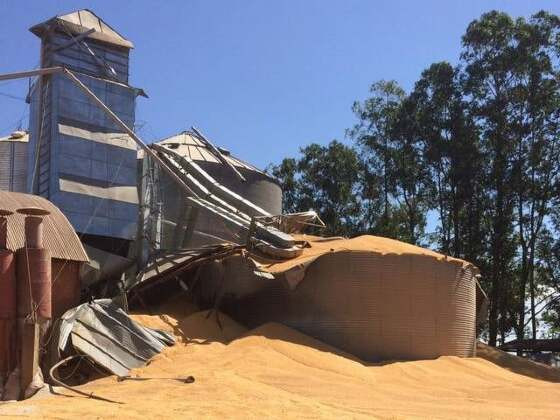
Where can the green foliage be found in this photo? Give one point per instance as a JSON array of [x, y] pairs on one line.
[[478, 145], [325, 179]]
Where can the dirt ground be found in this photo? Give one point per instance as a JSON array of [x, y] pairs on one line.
[[276, 372]]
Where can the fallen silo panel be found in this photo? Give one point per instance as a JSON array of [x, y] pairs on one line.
[[377, 306], [106, 334]]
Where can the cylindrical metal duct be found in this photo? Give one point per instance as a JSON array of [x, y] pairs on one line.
[[7, 271], [7, 285], [34, 232], [33, 226], [8, 354], [33, 271], [7, 299]]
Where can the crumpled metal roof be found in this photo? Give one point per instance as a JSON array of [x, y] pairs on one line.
[[58, 235], [81, 21], [189, 145]]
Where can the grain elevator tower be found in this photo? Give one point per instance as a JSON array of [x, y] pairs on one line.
[[78, 158]]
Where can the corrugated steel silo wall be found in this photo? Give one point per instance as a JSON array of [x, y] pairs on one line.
[[377, 307], [258, 188], [90, 177], [94, 180], [38, 156], [13, 166], [19, 180]]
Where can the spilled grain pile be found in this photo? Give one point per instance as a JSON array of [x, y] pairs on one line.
[[274, 371]]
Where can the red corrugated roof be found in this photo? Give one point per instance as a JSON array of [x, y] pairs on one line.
[[58, 234]]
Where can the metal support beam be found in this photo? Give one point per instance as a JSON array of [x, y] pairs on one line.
[[31, 73], [74, 40], [217, 152]]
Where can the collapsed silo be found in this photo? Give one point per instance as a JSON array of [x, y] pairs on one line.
[[373, 297], [170, 223]]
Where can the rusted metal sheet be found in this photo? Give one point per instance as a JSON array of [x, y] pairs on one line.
[[65, 286], [33, 270], [7, 285], [59, 236], [8, 352]]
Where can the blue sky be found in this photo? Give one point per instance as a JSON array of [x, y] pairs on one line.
[[261, 78]]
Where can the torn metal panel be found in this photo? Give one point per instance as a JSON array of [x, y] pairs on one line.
[[217, 152], [205, 177], [197, 189], [189, 145], [106, 334], [267, 233], [298, 222], [170, 265], [102, 265], [220, 201], [373, 297]]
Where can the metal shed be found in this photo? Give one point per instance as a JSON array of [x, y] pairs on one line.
[[59, 238]]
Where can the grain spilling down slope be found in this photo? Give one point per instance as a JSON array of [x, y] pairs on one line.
[[274, 371]]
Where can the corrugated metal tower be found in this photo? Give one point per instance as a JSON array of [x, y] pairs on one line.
[[13, 162], [78, 158]]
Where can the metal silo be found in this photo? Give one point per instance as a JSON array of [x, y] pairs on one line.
[[13, 162], [79, 159], [169, 223]]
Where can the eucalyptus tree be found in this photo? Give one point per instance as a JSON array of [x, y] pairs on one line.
[[488, 55], [327, 180], [535, 118], [373, 134], [454, 160], [511, 80]]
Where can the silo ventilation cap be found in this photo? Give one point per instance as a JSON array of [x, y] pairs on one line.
[[18, 134]]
